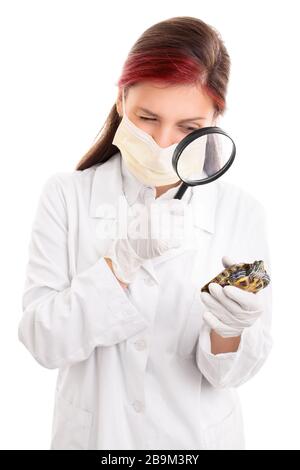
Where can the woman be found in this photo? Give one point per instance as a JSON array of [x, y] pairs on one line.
[[144, 360]]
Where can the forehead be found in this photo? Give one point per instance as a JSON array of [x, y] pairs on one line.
[[181, 100]]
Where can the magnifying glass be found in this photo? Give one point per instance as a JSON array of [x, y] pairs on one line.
[[202, 156]]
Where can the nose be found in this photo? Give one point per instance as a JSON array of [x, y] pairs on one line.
[[164, 137]]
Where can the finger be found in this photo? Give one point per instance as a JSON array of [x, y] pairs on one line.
[[227, 261], [215, 306], [229, 312], [218, 293], [247, 300]]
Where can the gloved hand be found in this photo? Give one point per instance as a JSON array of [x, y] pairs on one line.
[[230, 309], [128, 254]]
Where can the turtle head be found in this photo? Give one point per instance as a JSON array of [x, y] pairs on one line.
[[258, 275], [258, 266]]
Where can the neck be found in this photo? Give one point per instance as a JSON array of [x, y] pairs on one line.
[[162, 189]]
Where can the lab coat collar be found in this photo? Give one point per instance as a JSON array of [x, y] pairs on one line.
[[107, 187], [132, 187]]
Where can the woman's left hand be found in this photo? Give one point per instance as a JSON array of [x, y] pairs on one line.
[[230, 309]]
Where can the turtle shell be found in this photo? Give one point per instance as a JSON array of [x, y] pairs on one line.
[[248, 276]]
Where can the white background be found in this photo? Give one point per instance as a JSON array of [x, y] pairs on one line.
[[60, 61]]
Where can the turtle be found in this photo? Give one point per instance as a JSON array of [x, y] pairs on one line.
[[248, 276]]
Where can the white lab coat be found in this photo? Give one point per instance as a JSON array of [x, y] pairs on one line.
[[135, 367]]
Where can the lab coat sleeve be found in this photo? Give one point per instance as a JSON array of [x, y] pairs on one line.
[[65, 318], [235, 368]]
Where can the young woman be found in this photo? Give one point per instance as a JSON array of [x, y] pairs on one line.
[[144, 360]]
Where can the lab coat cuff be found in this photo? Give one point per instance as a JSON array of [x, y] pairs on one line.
[[219, 368], [122, 316]]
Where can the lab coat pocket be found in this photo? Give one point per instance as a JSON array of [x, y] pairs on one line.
[[71, 426], [191, 329], [227, 434]]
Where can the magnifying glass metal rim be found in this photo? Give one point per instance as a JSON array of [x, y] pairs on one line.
[[190, 138]]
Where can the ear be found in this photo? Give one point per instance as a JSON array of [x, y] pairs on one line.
[[118, 106], [119, 103]]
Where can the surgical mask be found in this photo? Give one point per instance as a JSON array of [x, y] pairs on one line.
[[147, 161]]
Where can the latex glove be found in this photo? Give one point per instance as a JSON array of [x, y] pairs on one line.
[[128, 254], [230, 309]]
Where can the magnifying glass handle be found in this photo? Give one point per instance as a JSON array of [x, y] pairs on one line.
[[182, 189]]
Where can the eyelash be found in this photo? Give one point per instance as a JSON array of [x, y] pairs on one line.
[[152, 119]]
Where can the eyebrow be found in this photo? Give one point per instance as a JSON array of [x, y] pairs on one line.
[[156, 115]]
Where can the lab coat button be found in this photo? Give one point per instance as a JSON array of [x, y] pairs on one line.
[[140, 344], [138, 406]]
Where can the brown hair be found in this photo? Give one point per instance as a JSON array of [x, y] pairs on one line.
[[179, 50]]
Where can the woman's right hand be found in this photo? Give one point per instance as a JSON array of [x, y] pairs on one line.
[[164, 221]]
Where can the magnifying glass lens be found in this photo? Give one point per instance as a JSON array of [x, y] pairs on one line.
[[204, 157]]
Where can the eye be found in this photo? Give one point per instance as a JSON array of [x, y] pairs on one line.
[[147, 119], [184, 129], [190, 129]]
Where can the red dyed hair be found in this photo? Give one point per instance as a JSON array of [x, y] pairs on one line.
[[169, 67], [180, 50]]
